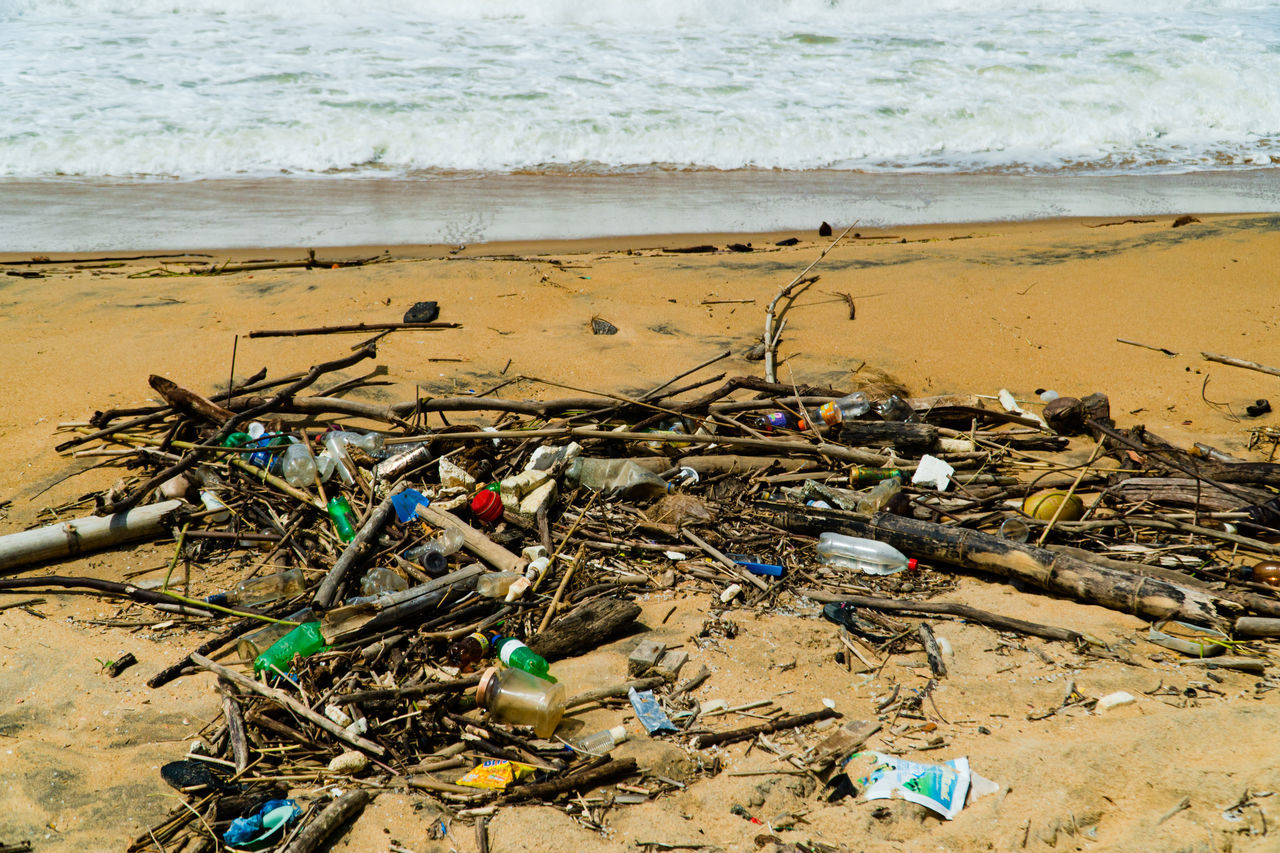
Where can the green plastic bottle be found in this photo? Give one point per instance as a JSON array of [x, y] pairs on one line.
[[342, 514], [304, 640], [517, 655]]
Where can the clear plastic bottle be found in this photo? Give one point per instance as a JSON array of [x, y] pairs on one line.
[[380, 579], [875, 498], [616, 478], [847, 408], [894, 408], [508, 585], [300, 466], [865, 555], [433, 555], [261, 590], [304, 640], [517, 698], [517, 655], [252, 645], [601, 742]]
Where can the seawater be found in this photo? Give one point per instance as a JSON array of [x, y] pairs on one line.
[[103, 94]]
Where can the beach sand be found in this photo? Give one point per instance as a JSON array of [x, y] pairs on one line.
[[970, 308]]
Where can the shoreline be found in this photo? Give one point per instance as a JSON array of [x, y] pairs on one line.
[[966, 309], [100, 215]]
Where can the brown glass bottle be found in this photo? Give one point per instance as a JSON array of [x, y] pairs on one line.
[[1268, 572], [466, 654]]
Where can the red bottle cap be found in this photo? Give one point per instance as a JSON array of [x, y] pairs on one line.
[[486, 506], [911, 564]]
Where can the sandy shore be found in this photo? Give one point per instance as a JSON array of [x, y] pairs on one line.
[[937, 309]]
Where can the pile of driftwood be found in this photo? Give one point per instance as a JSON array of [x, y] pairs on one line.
[[1159, 531]]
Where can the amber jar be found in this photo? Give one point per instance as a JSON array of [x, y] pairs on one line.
[[515, 697]]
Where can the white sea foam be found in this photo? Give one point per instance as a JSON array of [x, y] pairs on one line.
[[216, 88]]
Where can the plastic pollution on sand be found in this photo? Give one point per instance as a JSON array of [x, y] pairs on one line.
[[406, 504], [933, 470], [257, 828], [940, 787], [495, 774], [649, 712]]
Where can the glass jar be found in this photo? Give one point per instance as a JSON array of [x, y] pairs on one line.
[[517, 698]]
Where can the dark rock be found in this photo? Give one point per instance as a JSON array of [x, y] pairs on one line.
[[1065, 415], [422, 312], [790, 241], [1184, 220], [824, 230], [740, 247], [602, 327]]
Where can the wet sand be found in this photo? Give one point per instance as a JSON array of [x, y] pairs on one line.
[[72, 214], [938, 308]]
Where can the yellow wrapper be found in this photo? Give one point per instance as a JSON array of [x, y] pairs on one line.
[[495, 774]]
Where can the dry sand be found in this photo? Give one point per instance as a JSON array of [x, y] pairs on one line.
[[965, 309]]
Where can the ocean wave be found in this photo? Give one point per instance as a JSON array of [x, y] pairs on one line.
[[216, 88]]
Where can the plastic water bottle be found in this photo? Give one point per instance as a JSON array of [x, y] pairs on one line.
[[300, 466], [434, 554], [343, 517], [380, 579], [249, 647], [894, 409], [847, 408], [304, 640], [517, 655], [261, 590], [865, 555], [508, 585], [601, 742], [616, 478]]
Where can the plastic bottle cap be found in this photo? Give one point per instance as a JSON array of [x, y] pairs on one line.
[[911, 564], [484, 690], [618, 733], [487, 506]]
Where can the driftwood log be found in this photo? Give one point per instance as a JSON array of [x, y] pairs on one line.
[[949, 608], [337, 813], [1185, 491], [1062, 574], [71, 538], [908, 437], [584, 628]]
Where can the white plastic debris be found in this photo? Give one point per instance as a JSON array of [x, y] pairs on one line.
[[339, 716], [934, 471], [1011, 406], [1115, 700]]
